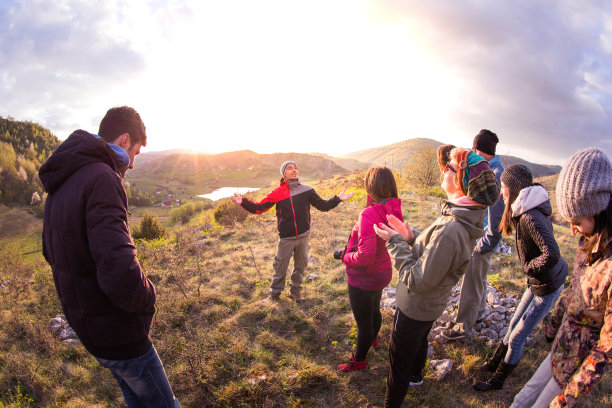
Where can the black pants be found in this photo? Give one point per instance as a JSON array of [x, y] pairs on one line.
[[407, 356], [366, 309]]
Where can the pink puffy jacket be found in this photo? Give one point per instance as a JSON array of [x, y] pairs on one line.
[[368, 265]]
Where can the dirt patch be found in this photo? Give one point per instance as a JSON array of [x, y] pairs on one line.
[[15, 221]]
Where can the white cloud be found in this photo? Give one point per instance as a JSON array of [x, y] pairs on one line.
[[333, 76]]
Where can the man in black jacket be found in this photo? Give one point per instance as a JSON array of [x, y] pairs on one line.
[[104, 294]]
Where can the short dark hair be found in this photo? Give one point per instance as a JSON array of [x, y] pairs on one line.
[[380, 183], [120, 120]]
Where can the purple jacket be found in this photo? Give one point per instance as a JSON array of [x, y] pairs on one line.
[[368, 265], [106, 297]]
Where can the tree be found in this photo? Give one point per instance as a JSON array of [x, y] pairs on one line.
[[422, 170], [150, 228]]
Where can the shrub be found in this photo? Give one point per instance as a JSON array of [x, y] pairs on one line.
[[186, 211], [150, 228], [228, 213]]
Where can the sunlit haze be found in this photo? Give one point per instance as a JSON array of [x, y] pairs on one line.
[[331, 76]]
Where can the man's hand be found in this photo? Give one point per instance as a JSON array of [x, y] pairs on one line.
[[384, 231], [402, 228], [237, 198], [345, 196]]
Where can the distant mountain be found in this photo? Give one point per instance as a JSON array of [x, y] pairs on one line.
[[239, 168], [349, 164], [398, 154], [538, 170], [394, 155]]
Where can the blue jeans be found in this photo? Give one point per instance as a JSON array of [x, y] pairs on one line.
[[530, 311], [143, 381]]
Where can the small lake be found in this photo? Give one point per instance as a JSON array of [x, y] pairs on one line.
[[224, 192]]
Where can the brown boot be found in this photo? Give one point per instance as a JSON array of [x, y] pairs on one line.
[[297, 297], [497, 381], [498, 356]]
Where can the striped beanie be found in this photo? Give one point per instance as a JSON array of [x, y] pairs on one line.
[[478, 181], [584, 186], [285, 165]]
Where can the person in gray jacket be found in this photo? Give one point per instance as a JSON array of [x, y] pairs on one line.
[[430, 264]]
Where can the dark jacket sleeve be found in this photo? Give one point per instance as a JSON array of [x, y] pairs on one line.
[[321, 204], [118, 272], [539, 228], [492, 234]]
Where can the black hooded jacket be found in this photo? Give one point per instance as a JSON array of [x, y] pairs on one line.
[[106, 297]]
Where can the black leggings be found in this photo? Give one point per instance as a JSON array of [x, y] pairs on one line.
[[407, 356], [366, 309]]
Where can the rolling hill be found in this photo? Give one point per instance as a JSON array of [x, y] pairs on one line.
[[398, 154]]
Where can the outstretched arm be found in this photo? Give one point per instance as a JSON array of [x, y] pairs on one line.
[[237, 198]]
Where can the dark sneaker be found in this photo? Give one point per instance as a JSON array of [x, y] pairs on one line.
[[415, 381], [274, 297], [373, 406], [297, 297], [353, 365], [453, 334]]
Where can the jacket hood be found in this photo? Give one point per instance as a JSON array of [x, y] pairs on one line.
[[78, 150], [534, 196], [470, 217], [384, 207]]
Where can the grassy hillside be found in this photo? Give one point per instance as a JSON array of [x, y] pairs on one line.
[[394, 155], [223, 346], [398, 154]]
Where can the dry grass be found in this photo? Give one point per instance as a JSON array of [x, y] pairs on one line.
[[224, 346]]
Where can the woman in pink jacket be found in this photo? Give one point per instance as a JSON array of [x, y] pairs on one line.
[[368, 265]]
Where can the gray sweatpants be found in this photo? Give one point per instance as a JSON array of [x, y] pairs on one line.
[[287, 247], [473, 298]]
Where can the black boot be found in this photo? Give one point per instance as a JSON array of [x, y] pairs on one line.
[[498, 356], [497, 381]]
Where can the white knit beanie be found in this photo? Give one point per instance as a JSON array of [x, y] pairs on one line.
[[584, 186]]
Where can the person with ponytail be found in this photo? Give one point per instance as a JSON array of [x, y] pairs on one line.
[[580, 327], [528, 211], [431, 263]]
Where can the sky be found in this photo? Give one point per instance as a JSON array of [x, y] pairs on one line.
[[331, 76]]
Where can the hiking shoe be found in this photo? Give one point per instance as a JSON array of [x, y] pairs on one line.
[[415, 381], [297, 297], [375, 343], [453, 334], [353, 365], [274, 297], [373, 406]]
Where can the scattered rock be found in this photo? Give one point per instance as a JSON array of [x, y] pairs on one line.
[[430, 351], [440, 368], [311, 277], [312, 260], [60, 328]]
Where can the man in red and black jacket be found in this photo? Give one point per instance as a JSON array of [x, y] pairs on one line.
[[292, 200]]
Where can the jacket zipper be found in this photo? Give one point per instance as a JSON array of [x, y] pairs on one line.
[[294, 220]]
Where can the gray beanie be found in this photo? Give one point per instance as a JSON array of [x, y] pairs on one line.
[[285, 165], [584, 185]]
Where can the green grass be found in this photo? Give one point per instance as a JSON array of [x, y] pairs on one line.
[[222, 345]]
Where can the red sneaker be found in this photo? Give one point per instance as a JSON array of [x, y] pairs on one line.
[[353, 365], [375, 343]]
